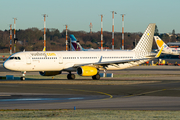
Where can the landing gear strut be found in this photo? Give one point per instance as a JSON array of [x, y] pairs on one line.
[[23, 75], [70, 76], [96, 77]]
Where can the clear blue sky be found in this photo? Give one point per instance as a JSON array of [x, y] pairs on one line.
[[79, 13]]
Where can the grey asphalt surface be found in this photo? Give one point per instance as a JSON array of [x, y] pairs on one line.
[[163, 94]]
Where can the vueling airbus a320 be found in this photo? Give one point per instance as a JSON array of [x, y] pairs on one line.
[[85, 63]]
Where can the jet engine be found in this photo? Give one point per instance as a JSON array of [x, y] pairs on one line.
[[87, 71], [49, 73]]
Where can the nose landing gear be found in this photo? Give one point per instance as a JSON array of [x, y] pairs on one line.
[[23, 75]]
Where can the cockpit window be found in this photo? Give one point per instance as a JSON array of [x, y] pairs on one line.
[[15, 58], [11, 58]]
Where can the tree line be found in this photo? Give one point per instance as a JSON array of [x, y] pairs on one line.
[[32, 39]]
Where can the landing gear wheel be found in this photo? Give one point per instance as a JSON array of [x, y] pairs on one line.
[[22, 78], [23, 75], [71, 76], [96, 77]]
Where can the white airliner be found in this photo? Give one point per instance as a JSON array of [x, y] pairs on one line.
[[85, 63], [166, 49]]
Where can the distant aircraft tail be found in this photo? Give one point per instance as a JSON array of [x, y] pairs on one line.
[[75, 44], [160, 43], [144, 46], [44, 49]]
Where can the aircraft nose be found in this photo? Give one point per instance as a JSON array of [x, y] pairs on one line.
[[6, 65]]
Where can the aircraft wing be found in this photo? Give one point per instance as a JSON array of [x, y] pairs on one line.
[[110, 62], [99, 63], [118, 62]]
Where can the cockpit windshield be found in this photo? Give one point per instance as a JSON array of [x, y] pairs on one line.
[[15, 58]]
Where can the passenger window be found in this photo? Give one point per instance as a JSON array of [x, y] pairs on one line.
[[19, 58]]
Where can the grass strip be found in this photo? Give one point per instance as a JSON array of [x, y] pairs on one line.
[[88, 114]]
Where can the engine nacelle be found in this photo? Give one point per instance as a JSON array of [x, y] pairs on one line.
[[87, 71], [49, 73]]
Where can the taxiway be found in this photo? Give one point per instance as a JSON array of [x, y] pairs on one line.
[[148, 88]]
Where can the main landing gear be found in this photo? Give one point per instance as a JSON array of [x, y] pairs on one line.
[[96, 77], [23, 75], [70, 76]]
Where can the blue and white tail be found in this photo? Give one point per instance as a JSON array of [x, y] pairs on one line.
[[144, 45], [74, 44]]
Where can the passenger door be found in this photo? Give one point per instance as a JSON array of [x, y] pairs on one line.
[[28, 59], [60, 57]]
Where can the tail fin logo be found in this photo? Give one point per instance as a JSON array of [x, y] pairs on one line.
[[166, 46], [160, 43], [144, 46]]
